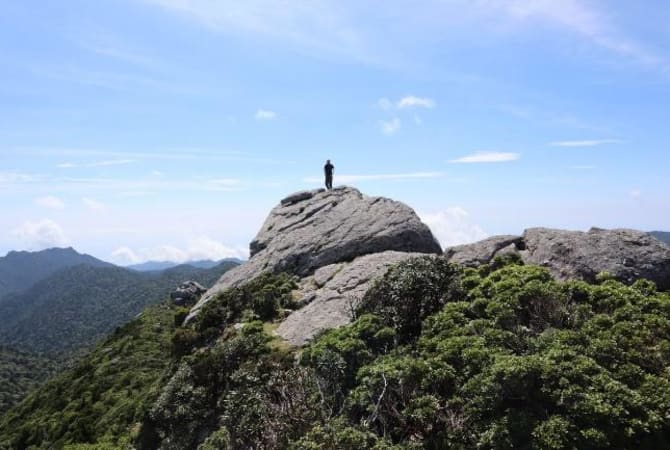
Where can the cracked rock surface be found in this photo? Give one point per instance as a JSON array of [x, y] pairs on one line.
[[309, 230], [626, 254], [333, 292]]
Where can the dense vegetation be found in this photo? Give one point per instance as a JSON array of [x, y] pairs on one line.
[[75, 307], [104, 395], [20, 270], [19, 373], [501, 356], [64, 315]]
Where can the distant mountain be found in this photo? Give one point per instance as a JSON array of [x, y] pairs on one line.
[[20, 270], [73, 308], [662, 236], [65, 314], [154, 266]]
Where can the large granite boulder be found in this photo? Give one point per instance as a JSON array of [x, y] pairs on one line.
[[626, 254], [312, 229], [332, 294]]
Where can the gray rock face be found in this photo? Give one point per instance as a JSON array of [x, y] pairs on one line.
[[187, 293], [480, 252], [333, 292], [313, 229], [626, 254]]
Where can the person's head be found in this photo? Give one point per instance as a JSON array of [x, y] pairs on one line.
[[328, 161]]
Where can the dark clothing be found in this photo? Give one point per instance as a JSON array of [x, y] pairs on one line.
[[328, 170]]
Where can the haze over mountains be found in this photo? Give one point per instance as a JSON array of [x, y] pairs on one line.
[[152, 266]]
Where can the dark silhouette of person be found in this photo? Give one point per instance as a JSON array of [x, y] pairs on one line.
[[328, 170]]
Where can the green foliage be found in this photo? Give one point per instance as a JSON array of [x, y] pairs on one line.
[[65, 314], [501, 356], [103, 397], [19, 373], [260, 299], [410, 292]]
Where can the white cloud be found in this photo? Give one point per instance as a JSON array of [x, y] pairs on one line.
[[585, 143], [453, 226], [197, 248], [376, 177], [390, 127], [40, 235], [265, 114], [93, 205], [111, 162], [635, 193], [487, 157], [125, 256], [105, 163], [50, 202], [411, 101]]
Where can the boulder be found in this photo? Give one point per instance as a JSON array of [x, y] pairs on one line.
[[626, 254], [480, 252], [313, 229], [332, 294], [187, 293]]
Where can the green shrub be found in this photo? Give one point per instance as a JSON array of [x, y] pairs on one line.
[[412, 291]]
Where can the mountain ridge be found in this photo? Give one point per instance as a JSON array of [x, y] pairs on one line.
[[19, 270]]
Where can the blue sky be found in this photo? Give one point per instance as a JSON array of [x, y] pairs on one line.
[[167, 129]]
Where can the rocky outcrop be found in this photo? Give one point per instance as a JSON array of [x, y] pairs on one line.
[[313, 229], [187, 293], [332, 294], [626, 254], [481, 252]]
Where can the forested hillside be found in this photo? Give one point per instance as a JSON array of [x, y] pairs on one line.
[[64, 315], [499, 356]]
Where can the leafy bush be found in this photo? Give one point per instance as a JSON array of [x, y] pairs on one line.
[[410, 292]]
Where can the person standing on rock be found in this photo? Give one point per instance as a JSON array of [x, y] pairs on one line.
[[328, 170]]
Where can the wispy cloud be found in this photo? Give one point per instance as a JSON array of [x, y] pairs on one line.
[[580, 18], [265, 114], [93, 205], [17, 177], [409, 101], [50, 202], [377, 177], [105, 163], [415, 102], [389, 127], [318, 27], [486, 157], [585, 143]]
